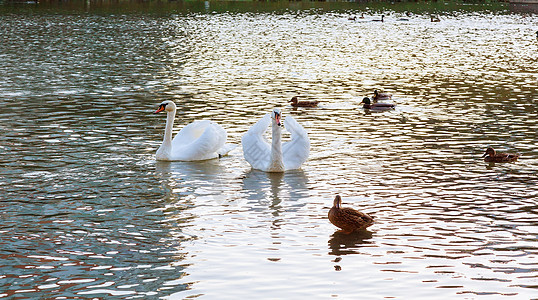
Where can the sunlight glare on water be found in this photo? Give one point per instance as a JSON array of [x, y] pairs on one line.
[[86, 211]]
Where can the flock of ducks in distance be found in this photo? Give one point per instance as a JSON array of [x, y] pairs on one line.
[[204, 139], [433, 18]]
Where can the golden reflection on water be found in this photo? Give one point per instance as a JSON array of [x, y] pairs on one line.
[[110, 221]]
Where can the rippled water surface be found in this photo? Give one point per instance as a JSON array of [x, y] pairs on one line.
[[86, 211]]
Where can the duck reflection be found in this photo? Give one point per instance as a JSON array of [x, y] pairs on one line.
[[343, 244]]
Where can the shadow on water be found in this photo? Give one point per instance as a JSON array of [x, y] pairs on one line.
[[343, 244]]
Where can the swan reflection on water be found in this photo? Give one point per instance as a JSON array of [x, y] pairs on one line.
[[276, 193], [204, 170], [191, 178], [260, 190], [271, 189], [343, 244]]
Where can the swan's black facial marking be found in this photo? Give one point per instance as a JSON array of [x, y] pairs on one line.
[[161, 107]]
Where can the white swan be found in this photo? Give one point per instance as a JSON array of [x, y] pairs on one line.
[[200, 140], [276, 157]]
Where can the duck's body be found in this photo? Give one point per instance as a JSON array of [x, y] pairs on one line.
[[376, 106], [348, 219], [380, 20], [381, 96], [492, 156], [303, 103], [199, 140], [405, 19]]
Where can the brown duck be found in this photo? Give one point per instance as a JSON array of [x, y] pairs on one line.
[[304, 103], [348, 219], [381, 96], [492, 156]]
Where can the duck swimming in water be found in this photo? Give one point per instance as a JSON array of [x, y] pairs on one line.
[[376, 106], [303, 103], [381, 96], [492, 156], [379, 20], [348, 219]]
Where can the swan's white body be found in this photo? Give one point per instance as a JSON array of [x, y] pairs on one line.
[[277, 156], [199, 140]]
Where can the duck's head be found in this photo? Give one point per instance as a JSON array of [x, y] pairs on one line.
[[376, 93], [337, 201], [366, 101], [276, 115], [294, 100], [490, 151], [168, 106]]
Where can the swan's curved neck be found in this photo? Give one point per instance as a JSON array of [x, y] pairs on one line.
[[170, 116], [276, 164], [164, 151]]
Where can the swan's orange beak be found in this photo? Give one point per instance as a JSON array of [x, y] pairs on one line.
[[161, 108], [277, 119]]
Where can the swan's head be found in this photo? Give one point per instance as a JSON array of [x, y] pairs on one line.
[[337, 201], [167, 105], [366, 101], [277, 116]]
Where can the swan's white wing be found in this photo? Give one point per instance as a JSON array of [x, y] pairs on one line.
[[198, 140], [226, 149], [256, 149], [295, 152]]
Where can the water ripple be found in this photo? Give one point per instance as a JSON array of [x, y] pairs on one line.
[[86, 211]]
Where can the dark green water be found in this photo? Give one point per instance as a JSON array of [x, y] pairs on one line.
[[86, 211]]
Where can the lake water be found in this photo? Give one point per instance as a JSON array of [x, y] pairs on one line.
[[86, 211]]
